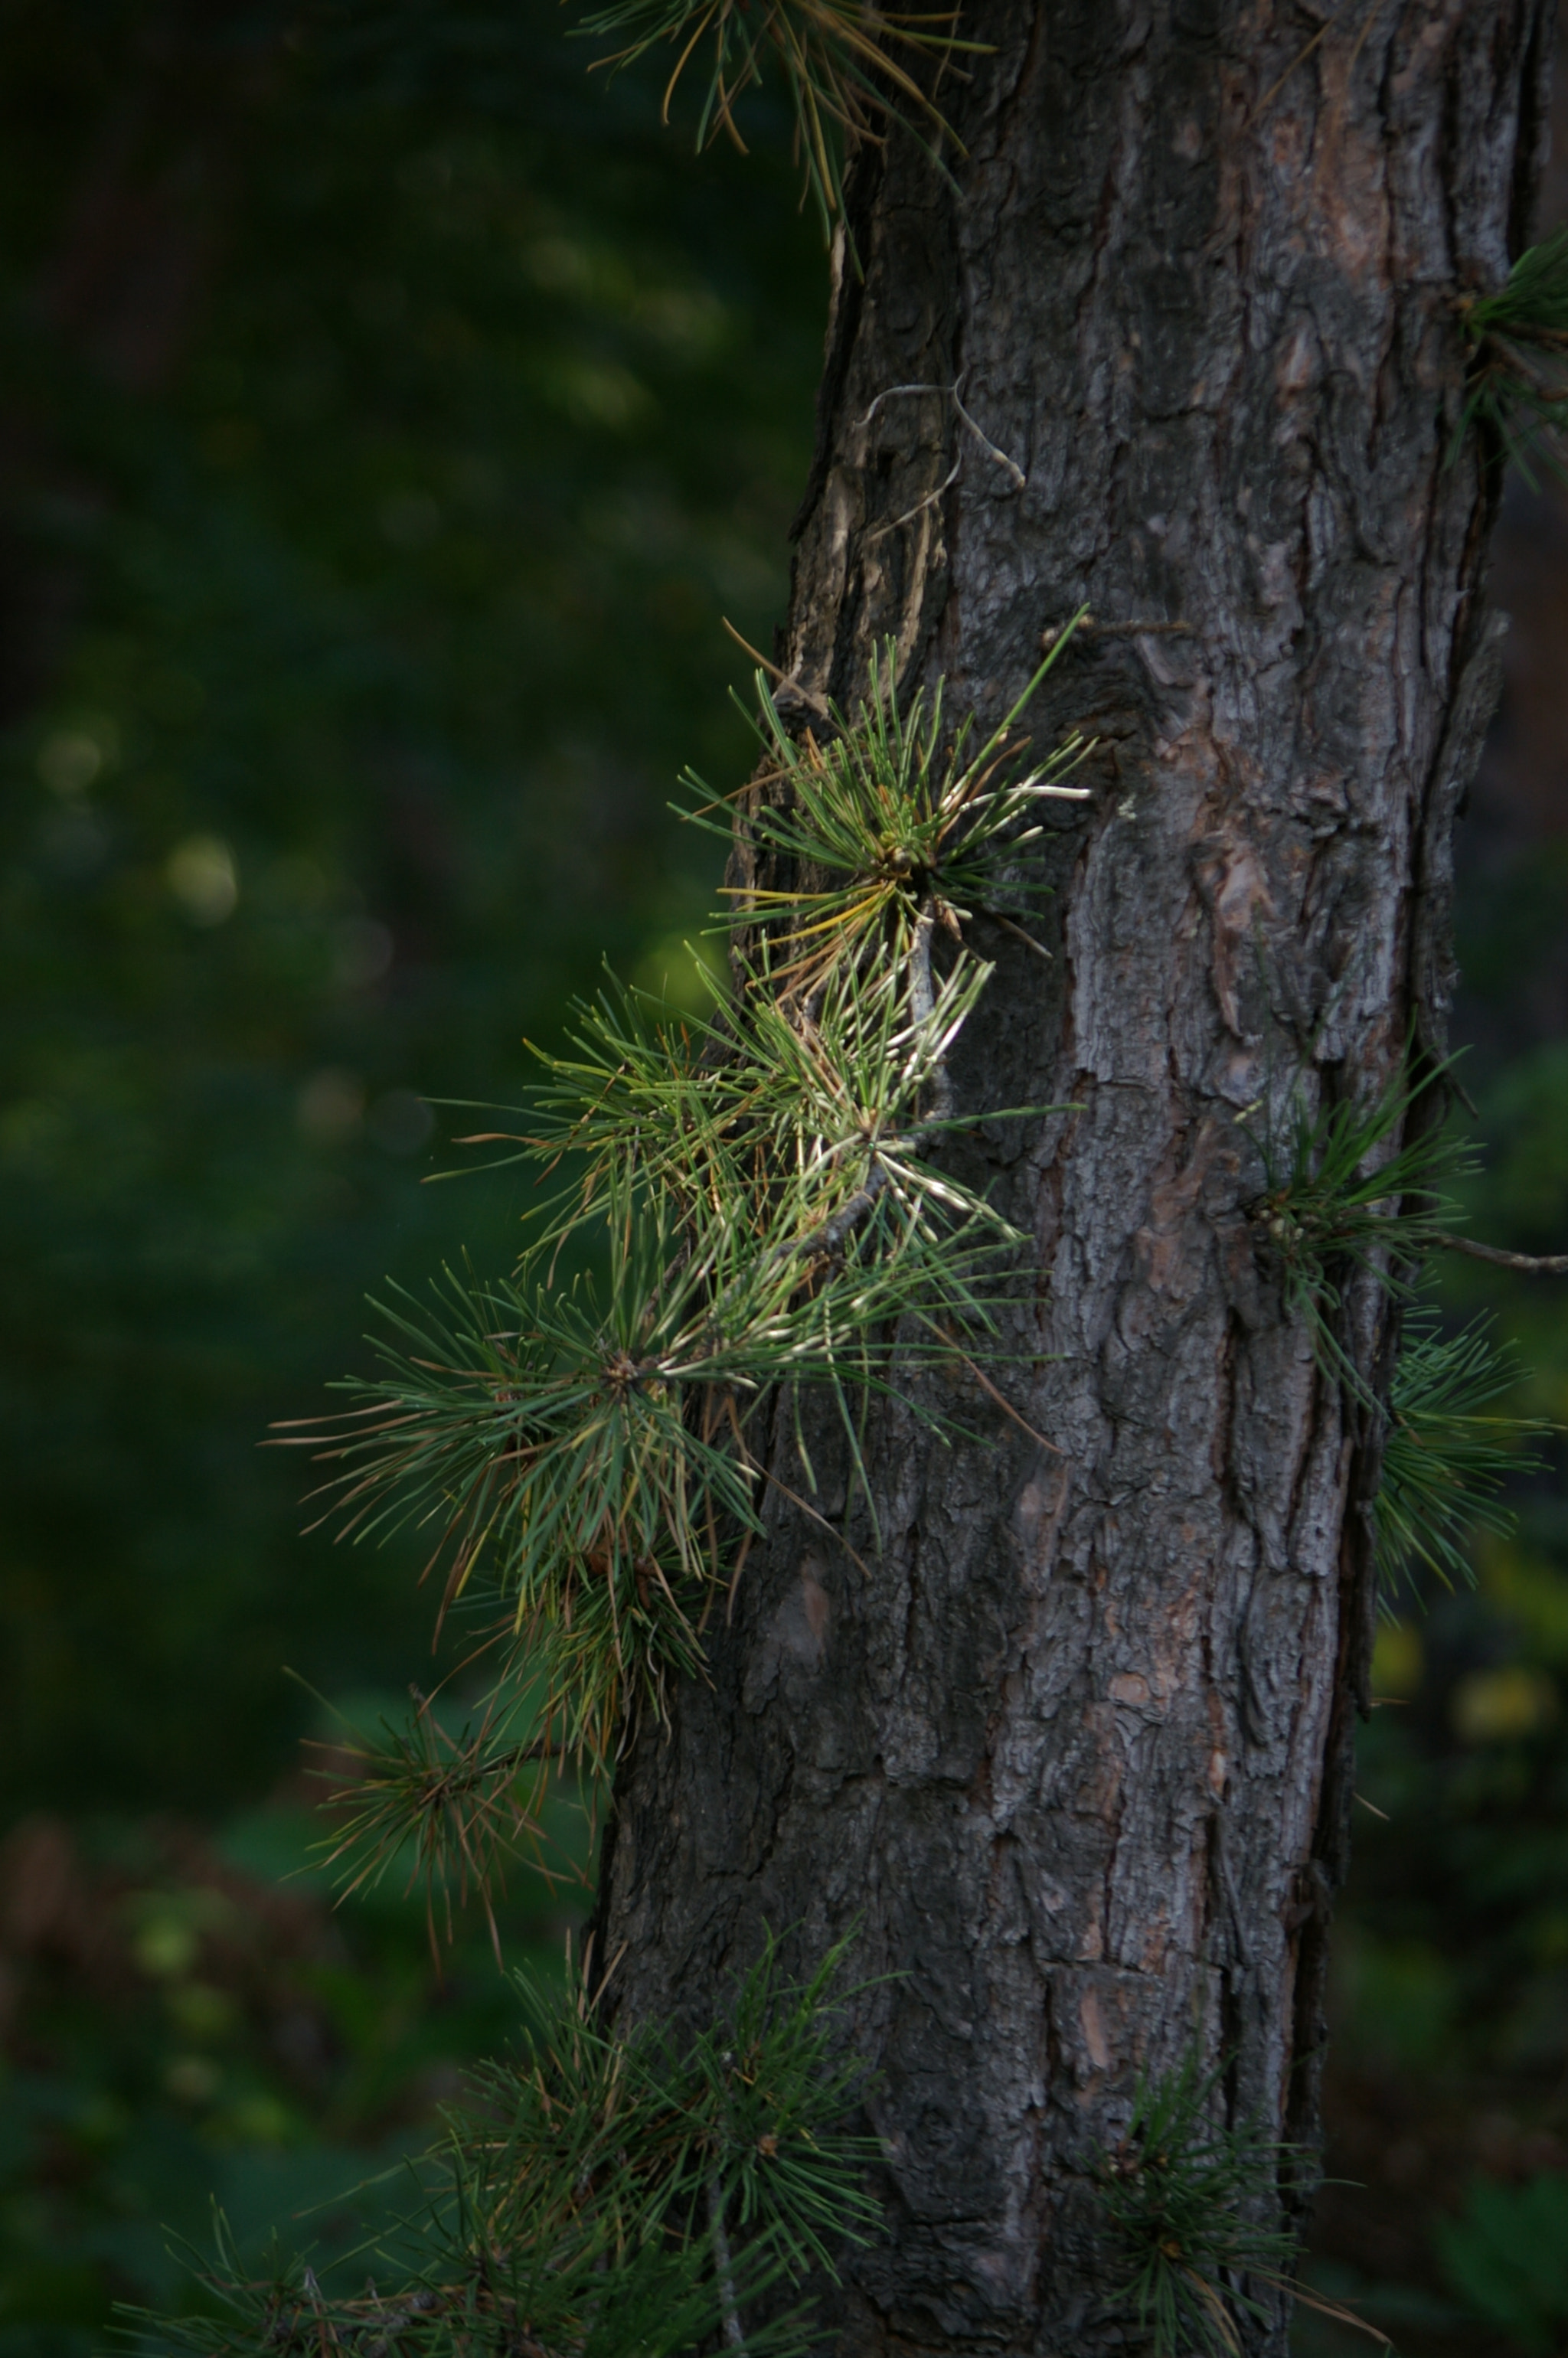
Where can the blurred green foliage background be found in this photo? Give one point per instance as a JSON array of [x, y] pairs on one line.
[[394, 415], [390, 414]]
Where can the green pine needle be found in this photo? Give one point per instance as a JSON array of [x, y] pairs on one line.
[[840, 61], [1518, 380], [1193, 2203], [1448, 1451], [1349, 1187], [896, 815], [601, 2199]]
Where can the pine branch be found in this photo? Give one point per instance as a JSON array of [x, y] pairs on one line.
[[757, 1197], [1184, 2191], [1525, 1264]]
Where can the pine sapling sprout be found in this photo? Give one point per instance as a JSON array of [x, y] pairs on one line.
[[1516, 383], [846, 65], [1449, 1448]]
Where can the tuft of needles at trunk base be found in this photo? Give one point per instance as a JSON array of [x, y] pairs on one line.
[[1193, 2203], [598, 2197], [1195, 2206]]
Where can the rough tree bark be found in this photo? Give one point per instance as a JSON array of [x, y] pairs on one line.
[[1074, 1748]]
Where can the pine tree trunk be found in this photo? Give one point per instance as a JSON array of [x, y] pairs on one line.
[[1073, 1749]]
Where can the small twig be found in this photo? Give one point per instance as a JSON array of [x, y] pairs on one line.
[[922, 1005], [893, 394], [1140, 629], [844, 1221], [909, 515], [988, 446], [785, 679], [724, 2266], [833, 1232], [1526, 1264], [949, 393]]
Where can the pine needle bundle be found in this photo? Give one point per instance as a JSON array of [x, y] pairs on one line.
[[1449, 1449], [1353, 1186], [1194, 2204], [780, 1117], [598, 2198], [840, 63], [902, 820], [459, 1808], [1516, 383]]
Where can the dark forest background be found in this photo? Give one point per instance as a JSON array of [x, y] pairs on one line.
[[390, 414]]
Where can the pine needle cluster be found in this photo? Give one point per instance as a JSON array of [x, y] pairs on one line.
[[1354, 1185], [1449, 1449], [733, 1205], [1195, 2206], [1516, 383], [902, 821], [599, 2198], [460, 1807], [840, 63]]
